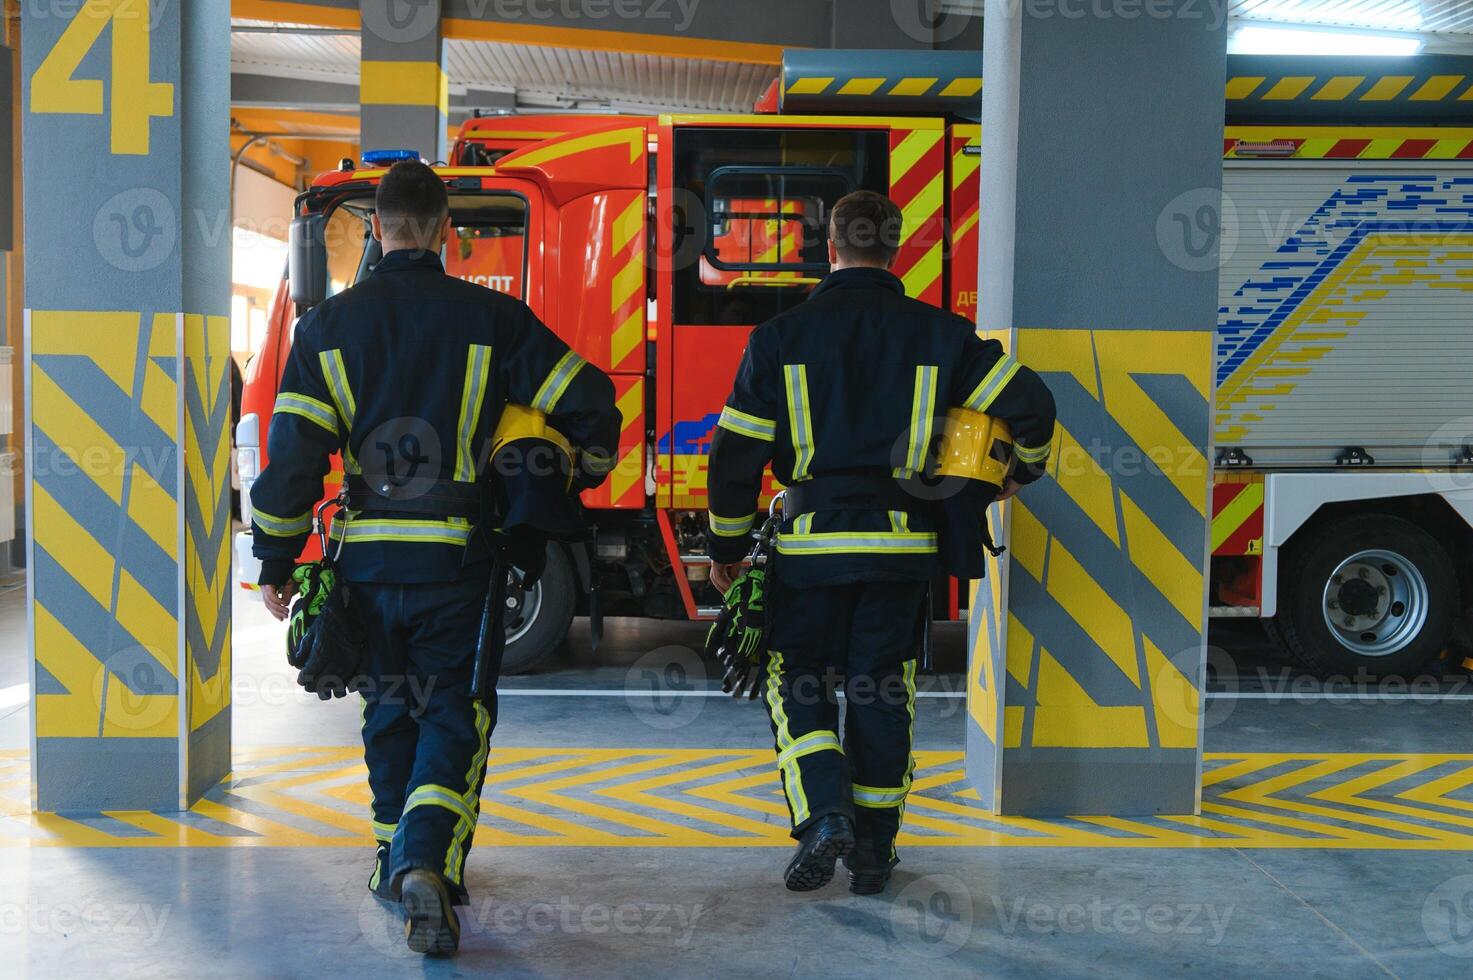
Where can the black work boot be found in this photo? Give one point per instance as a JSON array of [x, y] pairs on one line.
[[381, 882], [869, 870], [820, 846], [430, 923]]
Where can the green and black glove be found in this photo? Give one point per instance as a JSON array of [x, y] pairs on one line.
[[738, 638]]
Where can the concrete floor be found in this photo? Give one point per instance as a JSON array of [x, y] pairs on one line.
[[577, 911]]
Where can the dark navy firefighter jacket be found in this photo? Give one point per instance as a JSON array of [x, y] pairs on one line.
[[858, 380], [407, 374]]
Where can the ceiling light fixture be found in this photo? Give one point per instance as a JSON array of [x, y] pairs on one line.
[[1292, 40]]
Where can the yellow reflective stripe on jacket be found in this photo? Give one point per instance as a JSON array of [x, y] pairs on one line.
[[857, 542], [453, 531], [335, 373], [557, 382], [988, 388], [282, 527], [291, 403], [795, 377], [431, 795], [472, 399], [879, 797], [899, 521], [922, 420], [599, 463], [731, 527], [751, 426], [1027, 455]]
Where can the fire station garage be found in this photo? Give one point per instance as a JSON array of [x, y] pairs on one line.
[[640, 488]]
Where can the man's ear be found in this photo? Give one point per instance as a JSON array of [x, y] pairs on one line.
[[378, 228], [833, 254], [445, 230]]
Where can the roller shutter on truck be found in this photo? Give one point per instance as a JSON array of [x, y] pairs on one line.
[[1346, 316]]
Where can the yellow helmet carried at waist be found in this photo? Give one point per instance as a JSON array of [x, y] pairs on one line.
[[520, 422], [975, 446]]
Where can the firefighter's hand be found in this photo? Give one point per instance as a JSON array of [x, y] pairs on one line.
[[723, 575], [1009, 489], [279, 598]]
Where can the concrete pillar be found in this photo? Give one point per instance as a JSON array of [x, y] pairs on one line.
[[1101, 172], [403, 87], [127, 241]]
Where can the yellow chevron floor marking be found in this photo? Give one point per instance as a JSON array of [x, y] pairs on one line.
[[607, 797]]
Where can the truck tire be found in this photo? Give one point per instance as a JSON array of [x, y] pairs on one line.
[[537, 619], [1367, 593]]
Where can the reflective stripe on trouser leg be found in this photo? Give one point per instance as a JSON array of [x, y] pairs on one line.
[[465, 828], [389, 736], [797, 755]]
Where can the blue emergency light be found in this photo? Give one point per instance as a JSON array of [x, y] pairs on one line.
[[387, 158]]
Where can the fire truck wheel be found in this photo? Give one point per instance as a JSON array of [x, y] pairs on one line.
[[537, 619], [1366, 595]]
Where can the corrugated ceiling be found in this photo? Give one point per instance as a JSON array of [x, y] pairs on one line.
[[539, 75]]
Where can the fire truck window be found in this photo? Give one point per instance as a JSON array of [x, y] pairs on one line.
[[751, 229], [487, 243], [347, 236]]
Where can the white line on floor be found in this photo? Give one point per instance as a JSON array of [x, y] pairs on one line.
[[14, 695], [551, 692], [1343, 696]]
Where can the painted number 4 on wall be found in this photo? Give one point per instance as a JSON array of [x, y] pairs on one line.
[[135, 99]]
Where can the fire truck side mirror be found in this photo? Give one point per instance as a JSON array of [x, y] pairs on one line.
[[307, 260]]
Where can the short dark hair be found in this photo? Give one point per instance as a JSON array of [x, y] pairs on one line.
[[866, 228], [411, 201]]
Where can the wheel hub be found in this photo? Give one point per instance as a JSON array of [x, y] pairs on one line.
[[522, 606], [1376, 602]]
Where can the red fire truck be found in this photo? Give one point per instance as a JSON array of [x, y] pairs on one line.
[[653, 245]]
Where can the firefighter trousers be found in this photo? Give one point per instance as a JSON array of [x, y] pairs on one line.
[[864, 637], [424, 736]]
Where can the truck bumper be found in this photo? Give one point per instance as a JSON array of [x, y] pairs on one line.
[[247, 566]]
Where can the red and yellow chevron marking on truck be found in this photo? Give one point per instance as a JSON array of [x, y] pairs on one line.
[[917, 185], [1237, 517]]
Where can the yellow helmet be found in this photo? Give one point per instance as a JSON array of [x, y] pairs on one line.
[[975, 446]]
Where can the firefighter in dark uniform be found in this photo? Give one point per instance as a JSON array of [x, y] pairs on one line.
[[843, 395], [407, 375]]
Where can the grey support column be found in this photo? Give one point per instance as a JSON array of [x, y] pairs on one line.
[[1101, 150], [125, 129], [403, 87]]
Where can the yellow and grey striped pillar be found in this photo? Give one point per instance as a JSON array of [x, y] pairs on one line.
[[403, 88], [1099, 270], [127, 243]]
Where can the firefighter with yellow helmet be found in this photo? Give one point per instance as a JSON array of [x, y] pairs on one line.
[[410, 375], [848, 396]]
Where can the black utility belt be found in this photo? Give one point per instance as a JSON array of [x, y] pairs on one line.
[[860, 491], [434, 498]]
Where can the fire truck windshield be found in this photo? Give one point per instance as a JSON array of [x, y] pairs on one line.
[[487, 245]]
